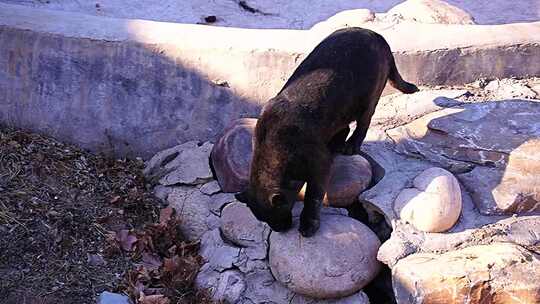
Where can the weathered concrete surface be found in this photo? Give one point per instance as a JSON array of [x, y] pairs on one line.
[[132, 87]]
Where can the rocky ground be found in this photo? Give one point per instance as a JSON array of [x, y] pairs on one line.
[[74, 224], [434, 157]]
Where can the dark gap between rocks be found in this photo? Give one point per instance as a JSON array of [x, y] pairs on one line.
[[248, 8], [380, 289], [169, 159]]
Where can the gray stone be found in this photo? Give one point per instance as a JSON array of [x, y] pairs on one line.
[[218, 201], [513, 189], [218, 255], [461, 138], [337, 261], [162, 192], [226, 286], [263, 288], [192, 208], [494, 273], [113, 298], [241, 227], [210, 188], [186, 164], [247, 264]]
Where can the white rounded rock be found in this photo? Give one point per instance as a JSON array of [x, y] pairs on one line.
[[434, 205], [347, 18], [431, 11], [339, 260]]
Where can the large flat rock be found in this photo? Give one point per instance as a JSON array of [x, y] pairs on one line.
[[494, 144], [477, 230]]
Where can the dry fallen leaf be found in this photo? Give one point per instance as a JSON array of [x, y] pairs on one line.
[[166, 214], [150, 260], [115, 199], [154, 299], [126, 239]]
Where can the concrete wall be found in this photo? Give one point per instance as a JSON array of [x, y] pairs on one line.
[[133, 87]]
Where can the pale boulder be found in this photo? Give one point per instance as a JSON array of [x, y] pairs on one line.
[[348, 18], [498, 273], [431, 11], [434, 204], [338, 261]]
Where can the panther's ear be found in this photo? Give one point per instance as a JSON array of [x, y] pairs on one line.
[[242, 197], [277, 199]]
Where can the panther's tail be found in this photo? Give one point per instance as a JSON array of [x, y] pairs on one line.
[[397, 82]]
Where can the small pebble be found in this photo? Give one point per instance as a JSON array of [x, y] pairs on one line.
[[113, 298]]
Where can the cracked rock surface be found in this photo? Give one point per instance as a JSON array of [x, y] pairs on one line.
[[234, 244], [183, 164], [491, 147]]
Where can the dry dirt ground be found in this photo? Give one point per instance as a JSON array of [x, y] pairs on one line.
[[73, 224]]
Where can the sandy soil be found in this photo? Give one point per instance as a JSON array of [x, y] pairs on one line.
[[292, 14]]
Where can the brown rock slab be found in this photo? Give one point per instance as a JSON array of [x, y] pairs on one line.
[[498, 273], [231, 155], [349, 176], [339, 260]]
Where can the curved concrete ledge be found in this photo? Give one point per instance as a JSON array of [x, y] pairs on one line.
[[134, 87]]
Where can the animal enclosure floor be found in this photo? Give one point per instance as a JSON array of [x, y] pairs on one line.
[[286, 14], [61, 213]]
